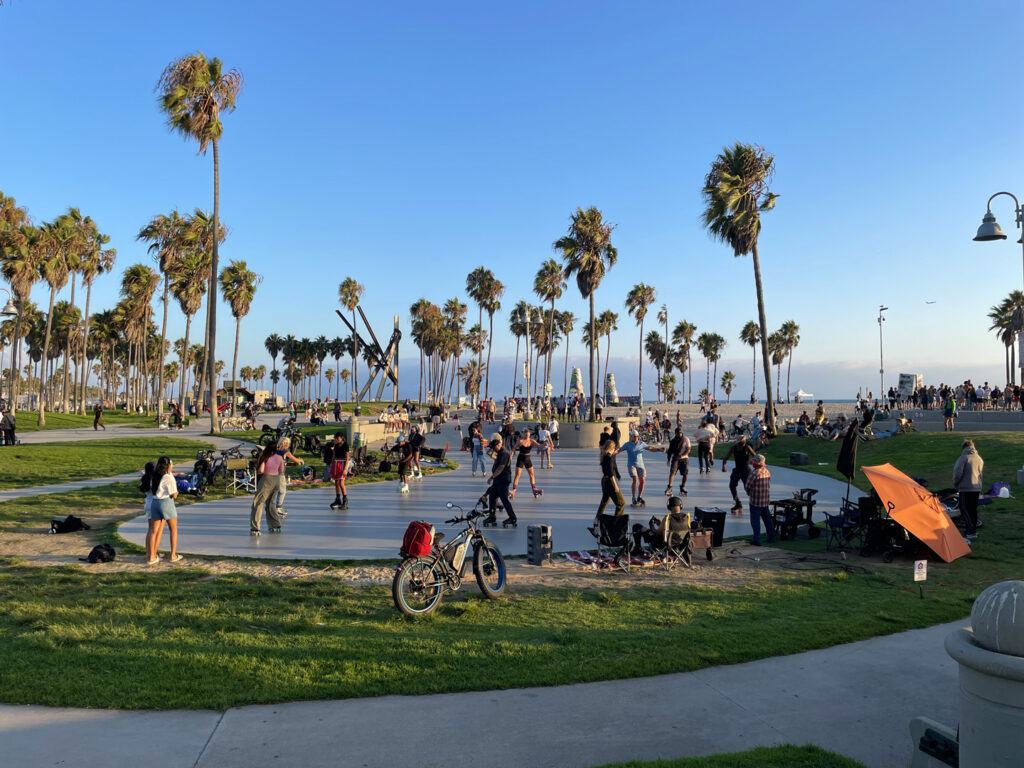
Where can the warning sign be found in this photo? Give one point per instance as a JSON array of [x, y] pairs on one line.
[[920, 570]]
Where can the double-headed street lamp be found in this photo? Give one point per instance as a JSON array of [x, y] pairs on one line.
[[990, 230]]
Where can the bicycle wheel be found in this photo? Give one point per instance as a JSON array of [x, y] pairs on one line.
[[489, 567], [416, 588], [267, 438]]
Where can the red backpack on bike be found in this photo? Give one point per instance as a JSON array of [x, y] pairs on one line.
[[418, 539]]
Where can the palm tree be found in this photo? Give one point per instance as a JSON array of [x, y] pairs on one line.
[[1008, 320], [338, 348], [716, 347], [344, 376], [517, 327], [639, 298], [273, 344], [654, 345], [777, 345], [728, 383], [97, 260], [549, 284], [416, 313], [791, 331], [607, 322], [53, 268], [663, 319], [471, 375], [194, 91], [490, 295], [735, 194], [188, 285], [476, 282], [588, 253], [349, 294], [751, 336], [19, 255], [167, 238], [566, 322], [138, 284], [704, 347], [683, 336], [238, 286]]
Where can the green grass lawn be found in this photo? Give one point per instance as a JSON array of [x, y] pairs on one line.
[[182, 637], [25, 466], [27, 420], [783, 756]]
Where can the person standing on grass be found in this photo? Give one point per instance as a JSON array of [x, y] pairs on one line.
[[741, 453], [7, 426], [967, 481], [283, 446], [678, 460], [162, 511], [758, 485], [97, 420]]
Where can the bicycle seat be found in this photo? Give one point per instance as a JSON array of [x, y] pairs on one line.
[[438, 537]]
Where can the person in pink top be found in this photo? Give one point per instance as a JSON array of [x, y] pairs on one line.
[[269, 467]]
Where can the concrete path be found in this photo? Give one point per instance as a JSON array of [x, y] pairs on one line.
[[378, 515], [855, 699]]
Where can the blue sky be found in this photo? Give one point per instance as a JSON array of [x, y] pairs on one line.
[[404, 144]]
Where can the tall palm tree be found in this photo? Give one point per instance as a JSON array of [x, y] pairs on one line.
[[322, 349], [683, 336], [517, 327], [273, 344], [654, 345], [138, 284], [566, 322], [455, 314], [97, 260], [1008, 320], [638, 300], [588, 253], [188, 285], [20, 253], [751, 336], [338, 348], [607, 322], [704, 342], [663, 319], [238, 286], [791, 331], [53, 268], [493, 290], [716, 347], [349, 294], [194, 91], [777, 346], [475, 288], [736, 193], [549, 284], [416, 313], [167, 238]]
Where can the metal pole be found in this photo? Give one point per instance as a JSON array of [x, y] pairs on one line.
[[881, 358], [527, 412]]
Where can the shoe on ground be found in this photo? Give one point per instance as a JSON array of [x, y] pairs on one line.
[[755, 543], [254, 533], [275, 530], [405, 488]]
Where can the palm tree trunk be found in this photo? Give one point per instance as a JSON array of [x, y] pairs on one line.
[[714, 387], [211, 315], [184, 361], [67, 353], [234, 365], [42, 368], [490, 338], [355, 357], [640, 371], [16, 358], [689, 375], [203, 372], [753, 378], [593, 413], [607, 355], [85, 346], [551, 346], [565, 383], [789, 369], [163, 341], [769, 411], [515, 367]]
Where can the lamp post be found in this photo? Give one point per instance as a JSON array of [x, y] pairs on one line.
[[990, 230], [881, 358], [526, 365]]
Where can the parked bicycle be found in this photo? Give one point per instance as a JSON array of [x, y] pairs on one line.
[[431, 569]]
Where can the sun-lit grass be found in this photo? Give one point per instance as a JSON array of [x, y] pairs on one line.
[[26, 466], [27, 420]]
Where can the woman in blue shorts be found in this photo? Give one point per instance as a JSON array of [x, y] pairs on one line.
[[162, 511]]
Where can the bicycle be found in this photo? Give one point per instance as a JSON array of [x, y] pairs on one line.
[[234, 423], [421, 582]]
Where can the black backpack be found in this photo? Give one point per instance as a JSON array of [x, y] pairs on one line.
[[101, 553], [69, 524]]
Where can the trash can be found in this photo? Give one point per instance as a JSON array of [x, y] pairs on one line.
[[713, 518]]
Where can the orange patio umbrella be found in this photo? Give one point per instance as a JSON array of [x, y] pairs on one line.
[[917, 510]]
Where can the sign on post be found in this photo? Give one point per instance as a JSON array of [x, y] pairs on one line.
[[920, 570]]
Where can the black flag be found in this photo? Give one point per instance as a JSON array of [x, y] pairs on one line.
[[846, 465]]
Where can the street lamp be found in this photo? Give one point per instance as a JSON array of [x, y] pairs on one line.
[[881, 358], [990, 230], [9, 310]]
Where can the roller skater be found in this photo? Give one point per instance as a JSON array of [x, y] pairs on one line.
[[678, 460], [339, 470], [404, 462], [634, 449], [523, 461], [742, 452], [500, 477]]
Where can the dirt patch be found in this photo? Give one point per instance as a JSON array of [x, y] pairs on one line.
[[735, 565]]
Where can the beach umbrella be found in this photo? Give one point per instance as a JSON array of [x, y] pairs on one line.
[[917, 510]]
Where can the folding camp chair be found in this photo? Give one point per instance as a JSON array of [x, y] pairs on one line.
[[612, 532], [672, 543], [841, 531], [240, 475]]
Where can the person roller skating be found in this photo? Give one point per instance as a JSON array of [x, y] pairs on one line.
[[404, 463], [500, 477], [742, 452], [678, 461], [634, 449], [523, 461], [339, 469]]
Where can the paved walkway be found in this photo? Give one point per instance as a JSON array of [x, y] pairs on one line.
[[854, 699]]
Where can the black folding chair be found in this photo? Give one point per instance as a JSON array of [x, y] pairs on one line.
[[672, 543], [613, 534]]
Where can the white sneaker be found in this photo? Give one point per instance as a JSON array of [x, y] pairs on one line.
[[405, 488]]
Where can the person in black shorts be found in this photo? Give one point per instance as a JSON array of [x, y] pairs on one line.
[[339, 469], [500, 477], [416, 441], [523, 461], [741, 452], [678, 461], [404, 451]]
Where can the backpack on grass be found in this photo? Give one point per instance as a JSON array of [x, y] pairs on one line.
[[69, 524], [101, 553]]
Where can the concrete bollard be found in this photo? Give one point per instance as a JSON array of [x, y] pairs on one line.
[[991, 660]]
